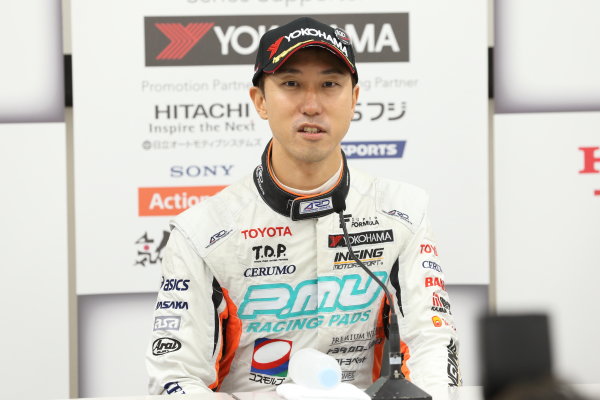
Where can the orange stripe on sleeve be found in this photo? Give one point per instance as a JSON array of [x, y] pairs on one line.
[[405, 357], [378, 349], [380, 337], [233, 333]]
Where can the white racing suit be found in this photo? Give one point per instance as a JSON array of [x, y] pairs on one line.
[[244, 287]]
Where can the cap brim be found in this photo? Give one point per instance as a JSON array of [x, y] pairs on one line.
[[316, 43]]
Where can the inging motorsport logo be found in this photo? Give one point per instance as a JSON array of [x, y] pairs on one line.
[[271, 357]]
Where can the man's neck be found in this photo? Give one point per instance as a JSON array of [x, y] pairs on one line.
[[304, 175]]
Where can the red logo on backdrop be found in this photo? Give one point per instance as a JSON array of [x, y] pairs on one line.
[[589, 162], [162, 201], [183, 38]]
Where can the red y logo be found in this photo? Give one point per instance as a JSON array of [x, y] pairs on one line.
[[273, 47], [182, 38], [334, 240]]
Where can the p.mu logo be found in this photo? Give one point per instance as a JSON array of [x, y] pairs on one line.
[[325, 294]]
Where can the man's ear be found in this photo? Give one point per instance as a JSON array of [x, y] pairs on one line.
[[355, 92], [258, 98]]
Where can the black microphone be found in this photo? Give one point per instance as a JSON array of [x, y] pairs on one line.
[[394, 386]]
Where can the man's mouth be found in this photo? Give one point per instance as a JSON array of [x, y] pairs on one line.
[[311, 128], [308, 129]]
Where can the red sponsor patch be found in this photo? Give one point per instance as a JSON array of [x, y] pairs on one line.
[[428, 249], [270, 231], [436, 301], [429, 281]]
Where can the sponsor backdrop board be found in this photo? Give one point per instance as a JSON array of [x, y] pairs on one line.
[[547, 211], [161, 122]]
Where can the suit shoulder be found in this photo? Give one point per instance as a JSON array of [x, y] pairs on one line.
[[400, 201], [210, 221]]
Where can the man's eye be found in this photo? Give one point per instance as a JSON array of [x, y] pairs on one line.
[[290, 83], [329, 84]]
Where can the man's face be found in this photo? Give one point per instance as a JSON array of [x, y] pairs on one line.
[[309, 103]]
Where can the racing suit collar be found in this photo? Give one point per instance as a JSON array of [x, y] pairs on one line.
[[293, 205]]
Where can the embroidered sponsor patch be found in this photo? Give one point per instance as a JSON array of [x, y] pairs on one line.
[[167, 323], [313, 206], [271, 356], [165, 345]]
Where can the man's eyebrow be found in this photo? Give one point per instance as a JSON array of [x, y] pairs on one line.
[[295, 71], [285, 70], [331, 71]]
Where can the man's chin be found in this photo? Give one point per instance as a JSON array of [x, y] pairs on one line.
[[313, 156]]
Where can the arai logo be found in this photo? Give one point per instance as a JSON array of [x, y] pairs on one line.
[[165, 345]]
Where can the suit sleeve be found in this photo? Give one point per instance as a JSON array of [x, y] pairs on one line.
[[185, 340], [430, 343]]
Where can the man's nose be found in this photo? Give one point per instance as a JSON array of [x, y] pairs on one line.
[[311, 102]]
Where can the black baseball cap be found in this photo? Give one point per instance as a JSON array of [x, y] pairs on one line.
[[278, 44]]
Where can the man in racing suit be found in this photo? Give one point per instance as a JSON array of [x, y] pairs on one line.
[[261, 269]]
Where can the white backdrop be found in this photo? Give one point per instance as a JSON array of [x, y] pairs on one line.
[[127, 167], [34, 265], [545, 55], [547, 233], [31, 71]]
